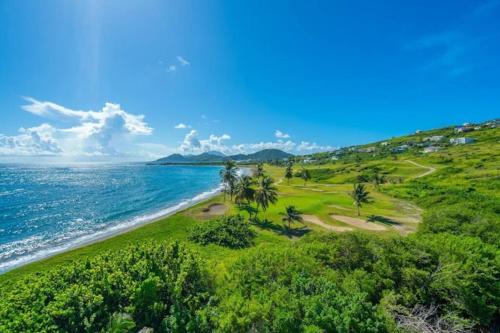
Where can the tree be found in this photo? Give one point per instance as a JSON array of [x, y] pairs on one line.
[[289, 172], [259, 172], [228, 177], [378, 179], [243, 191], [266, 193], [360, 196], [291, 215], [305, 175]]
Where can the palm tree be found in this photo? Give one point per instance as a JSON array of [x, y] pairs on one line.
[[266, 193], [259, 173], [243, 191], [228, 177], [305, 175], [377, 180], [289, 173], [291, 215], [360, 196]]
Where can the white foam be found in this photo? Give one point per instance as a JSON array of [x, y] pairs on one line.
[[112, 229], [107, 232]]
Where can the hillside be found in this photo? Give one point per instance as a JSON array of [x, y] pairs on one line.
[[423, 255], [213, 157]]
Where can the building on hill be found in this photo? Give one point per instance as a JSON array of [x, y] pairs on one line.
[[461, 141], [401, 149], [462, 129], [418, 131], [431, 149], [434, 138], [384, 144], [366, 150]]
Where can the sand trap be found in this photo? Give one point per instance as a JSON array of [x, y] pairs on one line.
[[315, 220], [358, 223], [214, 210]]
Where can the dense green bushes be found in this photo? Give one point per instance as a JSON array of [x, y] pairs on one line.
[[230, 231], [163, 286]]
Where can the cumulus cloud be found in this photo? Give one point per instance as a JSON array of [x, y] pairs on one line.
[[182, 126], [280, 135], [308, 147], [92, 133], [193, 144]]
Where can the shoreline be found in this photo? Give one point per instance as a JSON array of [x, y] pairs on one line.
[[114, 231], [119, 229]]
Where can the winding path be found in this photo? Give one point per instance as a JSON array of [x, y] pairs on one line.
[[428, 172]]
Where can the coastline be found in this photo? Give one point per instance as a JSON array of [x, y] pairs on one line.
[[119, 229], [116, 230]]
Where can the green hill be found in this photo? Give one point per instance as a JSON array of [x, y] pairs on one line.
[[218, 158]]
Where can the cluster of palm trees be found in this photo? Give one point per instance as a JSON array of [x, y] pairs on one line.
[[304, 173], [246, 190]]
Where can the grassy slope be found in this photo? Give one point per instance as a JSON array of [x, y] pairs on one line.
[[471, 164]]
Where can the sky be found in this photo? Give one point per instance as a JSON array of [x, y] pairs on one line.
[[137, 80]]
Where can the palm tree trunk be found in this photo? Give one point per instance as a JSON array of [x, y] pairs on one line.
[[357, 206]]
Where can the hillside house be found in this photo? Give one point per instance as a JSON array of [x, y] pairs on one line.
[[401, 149], [434, 138], [384, 144], [461, 141], [431, 149], [462, 129]]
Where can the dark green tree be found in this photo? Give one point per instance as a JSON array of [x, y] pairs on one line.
[[289, 173], [228, 177], [243, 190], [266, 193], [291, 215], [305, 174], [259, 172], [360, 196]]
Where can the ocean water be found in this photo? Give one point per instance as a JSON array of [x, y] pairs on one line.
[[47, 209]]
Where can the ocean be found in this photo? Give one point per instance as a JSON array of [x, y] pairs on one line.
[[48, 209]]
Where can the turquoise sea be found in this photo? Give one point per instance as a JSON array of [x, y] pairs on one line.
[[48, 209]]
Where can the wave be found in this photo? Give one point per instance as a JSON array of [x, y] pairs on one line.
[[107, 232]]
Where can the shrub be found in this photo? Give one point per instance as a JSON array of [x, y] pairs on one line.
[[163, 286], [230, 231]]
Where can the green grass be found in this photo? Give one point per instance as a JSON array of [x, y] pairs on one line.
[[475, 165]]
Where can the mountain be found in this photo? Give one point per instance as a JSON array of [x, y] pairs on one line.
[[215, 157]]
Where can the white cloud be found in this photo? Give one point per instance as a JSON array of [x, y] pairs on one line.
[[171, 68], [192, 144], [183, 61], [182, 126], [280, 135], [108, 132], [307, 147]]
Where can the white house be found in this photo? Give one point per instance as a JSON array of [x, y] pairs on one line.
[[461, 141], [385, 143], [401, 149], [431, 149]]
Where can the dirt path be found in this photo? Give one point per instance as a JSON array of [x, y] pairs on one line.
[[315, 220], [428, 172], [358, 223]]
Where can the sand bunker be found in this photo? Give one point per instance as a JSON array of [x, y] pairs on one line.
[[358, 223], [215, 210], [315, 220]]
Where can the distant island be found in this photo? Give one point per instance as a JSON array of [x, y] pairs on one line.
[[215, 157]]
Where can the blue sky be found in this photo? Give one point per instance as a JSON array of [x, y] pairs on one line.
[[112, 79]]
